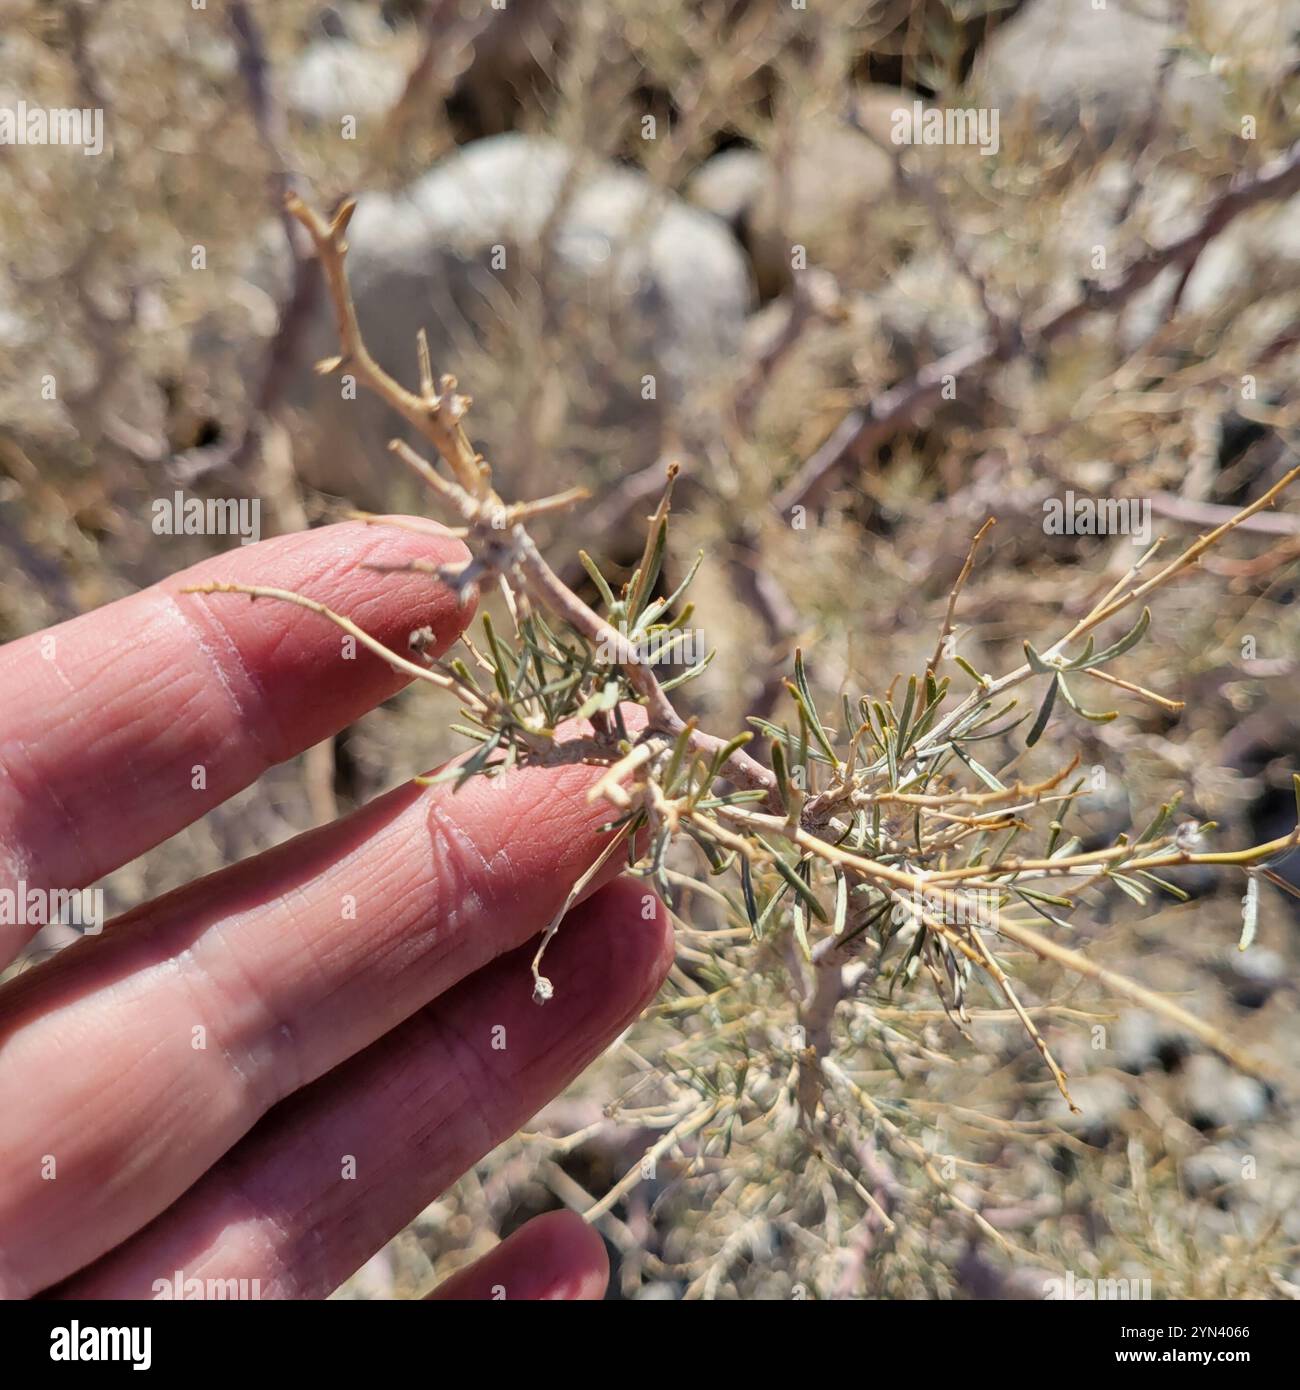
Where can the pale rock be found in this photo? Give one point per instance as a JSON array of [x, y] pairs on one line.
[[335, 78], [1214, 1096], [820, 193], [1213, 1172], [662, 289], [1080, 66]]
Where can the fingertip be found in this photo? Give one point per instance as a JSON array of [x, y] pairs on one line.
[[379, 575], [405, 538], [555, 1257], [639, 935]]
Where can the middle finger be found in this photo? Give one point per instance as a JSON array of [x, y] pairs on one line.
[[160, 1043]]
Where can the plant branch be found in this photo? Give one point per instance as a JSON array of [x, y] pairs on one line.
[[871, 424]]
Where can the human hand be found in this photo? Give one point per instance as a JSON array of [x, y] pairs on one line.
[[267, 1073]]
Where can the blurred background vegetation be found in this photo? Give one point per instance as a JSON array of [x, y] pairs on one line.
[[650, 230]]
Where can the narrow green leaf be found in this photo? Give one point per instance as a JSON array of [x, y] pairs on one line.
[[643, 581], [747, 892], [800, 923], [1097, 717], [782, 771], [1125, 643], [869, 921], [768, 909], [603, 699], [1131, 886], [1249, 913], [688, 675], [1172, 888], [597, 578], [666, 605], [501, 673], [720, 757], [1055, 829], [979, 770], [905, 718], [478, 735], [936, 692], [1159, 820], [787, 740], [1081, 661], [1042, 912], [675, 758], [1007, 841], [810, 708], [800, 886], [913, 955], [1044, 713], [718, 861], [969, 669], [1036, 663], [463, 673], [1065, 850], [1036, 895]]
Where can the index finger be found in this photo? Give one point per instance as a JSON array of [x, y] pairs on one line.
[[129, 723]]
